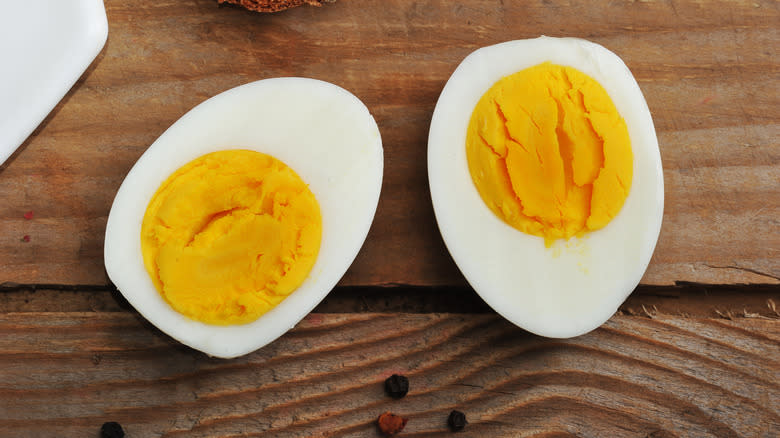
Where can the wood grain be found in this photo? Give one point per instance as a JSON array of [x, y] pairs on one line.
[[64, 374], [708, 70]]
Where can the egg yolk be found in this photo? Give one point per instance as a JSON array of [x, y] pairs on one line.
[[549, 153], [230, 235]]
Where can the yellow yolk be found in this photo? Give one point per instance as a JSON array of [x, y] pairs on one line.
[[229, 235], [549, 153]]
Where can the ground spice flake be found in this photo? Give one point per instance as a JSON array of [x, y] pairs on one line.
[[391, 424], [28, 215]]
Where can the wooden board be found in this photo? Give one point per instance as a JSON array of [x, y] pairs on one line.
[[693, 352], [64, 374], [708, 69]]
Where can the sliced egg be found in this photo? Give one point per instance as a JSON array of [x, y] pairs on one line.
[[556, 281], [303, 128]]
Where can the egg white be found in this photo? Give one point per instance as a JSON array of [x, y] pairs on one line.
[[323, 132], [576, 285]]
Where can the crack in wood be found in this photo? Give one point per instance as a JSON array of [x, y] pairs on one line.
[[743, 269], [683, 299]]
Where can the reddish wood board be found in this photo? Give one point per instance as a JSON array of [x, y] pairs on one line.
[[706, 68], [697, 359]]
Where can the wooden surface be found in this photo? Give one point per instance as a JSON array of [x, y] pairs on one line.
[[64, 374], [708, 69], [695, 351]]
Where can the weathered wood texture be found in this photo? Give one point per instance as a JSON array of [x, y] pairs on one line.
[[65, 374], [709, 70]]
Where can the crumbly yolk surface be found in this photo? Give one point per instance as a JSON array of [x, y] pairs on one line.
[[230, 235], [549, 153]]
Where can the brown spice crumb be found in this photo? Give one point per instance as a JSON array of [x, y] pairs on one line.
[[391, 424]]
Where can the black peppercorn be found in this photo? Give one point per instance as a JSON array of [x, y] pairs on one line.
[[397, 386], [112, 429], [457, 420]]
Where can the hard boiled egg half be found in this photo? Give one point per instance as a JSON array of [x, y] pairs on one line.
[[246, 212], [546, 181]]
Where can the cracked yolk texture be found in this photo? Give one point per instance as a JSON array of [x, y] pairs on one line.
[[549, 153], [229, 235]]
